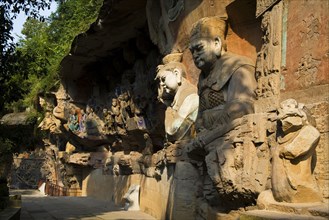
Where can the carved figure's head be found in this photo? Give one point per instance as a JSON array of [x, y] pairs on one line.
[[207, 39], [293, 115], [170, 76], [114, 102], [73, 111]]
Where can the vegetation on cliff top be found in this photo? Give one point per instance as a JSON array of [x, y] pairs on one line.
[[31, 66]]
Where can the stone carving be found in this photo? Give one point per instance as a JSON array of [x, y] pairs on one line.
[[307, 70], [264, 5], [118, 116], [51, 123], [174, 8], [159, 17], [125, 164], [292, 178], [148, 159], [226, 89], [73, 123], [182, 107], [108, 122], [132, 198]]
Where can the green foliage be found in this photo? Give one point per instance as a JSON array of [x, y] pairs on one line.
[[33, 67], [10, 60], [6, 146]]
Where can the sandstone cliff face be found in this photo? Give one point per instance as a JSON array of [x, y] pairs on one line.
[[108, 102]]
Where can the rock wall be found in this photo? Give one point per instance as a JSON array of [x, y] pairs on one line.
[[305, 70], [109, 80]]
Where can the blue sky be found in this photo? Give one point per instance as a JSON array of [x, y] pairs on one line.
[[21, 18]]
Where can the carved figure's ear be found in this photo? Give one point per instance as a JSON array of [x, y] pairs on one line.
[[218, 46], [178, 74]]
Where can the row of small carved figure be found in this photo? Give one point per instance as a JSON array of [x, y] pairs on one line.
[[115, 118]]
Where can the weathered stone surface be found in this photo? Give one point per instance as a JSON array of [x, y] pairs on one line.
[[16, 119], [115, 61], [184, 191], [273, 215], [264, 5], [320, 111], [297, 139], [93, 159], [267, 202], [306, 62], [105, 34]]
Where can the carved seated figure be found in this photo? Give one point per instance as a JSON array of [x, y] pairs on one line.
[[118, 118], [82, 121], [226, 90], [182, 109], [292, 179], [73, 122]]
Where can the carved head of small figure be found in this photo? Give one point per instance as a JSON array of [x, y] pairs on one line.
[[114, 102], [207, 41], [292, 116], [72, 111]]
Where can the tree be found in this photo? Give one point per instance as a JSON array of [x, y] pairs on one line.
[[9, 9]]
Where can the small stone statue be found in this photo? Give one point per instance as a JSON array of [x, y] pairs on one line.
[[82, 121], [292, 179], [73, 122], [108, 122], [118, 118], [132, 198], [182, 109]]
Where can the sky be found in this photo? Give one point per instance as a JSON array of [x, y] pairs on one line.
[[21, 18]]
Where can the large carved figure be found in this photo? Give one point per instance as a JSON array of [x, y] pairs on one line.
[[292, 179], [182, 108], [226, 90]]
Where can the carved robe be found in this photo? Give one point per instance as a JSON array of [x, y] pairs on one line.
[[226, 93], [181, 115]]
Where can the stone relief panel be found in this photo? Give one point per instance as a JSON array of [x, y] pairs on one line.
[[264, 5], [268, 66], [306, 62]]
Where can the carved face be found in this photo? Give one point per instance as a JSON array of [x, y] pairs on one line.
[[114, 102], [205, 52], [169, 81]]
